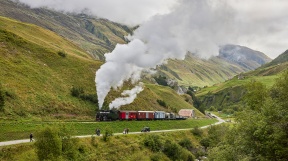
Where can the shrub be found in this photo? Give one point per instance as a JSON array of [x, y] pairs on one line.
[[62, 53], [186, 143], [107, 133], [69, 144], [48, 144], [176, 152], [93, 141], [196, 131], [161, 80], [56, 143], [153, 142], [205, 142], [89, 97], [76, 91], [162, 103]]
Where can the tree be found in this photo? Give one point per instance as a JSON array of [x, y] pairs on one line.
[[256, 95], [261, 132], [48, 144], [56, 143]]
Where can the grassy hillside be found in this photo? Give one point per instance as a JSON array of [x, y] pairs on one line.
[[39, 69], [35, 78], [194, 71], [280, 59], [147, 100], [97, 36], [228, 95]]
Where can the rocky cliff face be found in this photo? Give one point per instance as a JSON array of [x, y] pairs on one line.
[[243, 56]]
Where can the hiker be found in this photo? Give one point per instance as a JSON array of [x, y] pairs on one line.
[[127, 130], [31, 137], [98, 132], [124, 132]]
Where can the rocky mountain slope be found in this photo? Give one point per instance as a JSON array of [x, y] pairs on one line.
[[247, 58], [228, 96], [232, 60], [96, 36]]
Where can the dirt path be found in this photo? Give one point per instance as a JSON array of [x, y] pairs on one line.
[[6, 143]]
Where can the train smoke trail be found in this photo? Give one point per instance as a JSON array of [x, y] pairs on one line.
[[164, 37], [198, 26], [130, 96]]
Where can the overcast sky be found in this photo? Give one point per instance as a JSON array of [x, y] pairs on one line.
[[258, 24]]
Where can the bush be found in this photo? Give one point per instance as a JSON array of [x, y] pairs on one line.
[[69, 144], [175, 152], [107, 133], [93, 141], [205, 142], [48, 144], [162, 103], [186, 143], [62, 53], [196, 131], [153, 142], [161, 80], [56, 143], [89, 97], [76, 91]]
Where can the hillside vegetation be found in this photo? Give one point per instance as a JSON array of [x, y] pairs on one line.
[[194, 71], [97, 36], [37, 79], [39, 69], [228, 96], [182, 145]]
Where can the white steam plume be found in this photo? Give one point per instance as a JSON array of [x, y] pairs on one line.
[[198, 26], [131, 95], [170, 36]]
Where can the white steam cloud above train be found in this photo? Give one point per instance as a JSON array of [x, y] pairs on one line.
[[170, 28], [196, 26], [169, 36]]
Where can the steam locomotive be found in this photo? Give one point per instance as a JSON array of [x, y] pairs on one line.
[[112, 115]]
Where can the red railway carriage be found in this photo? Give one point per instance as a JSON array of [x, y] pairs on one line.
[[145, 115], [127, 115]]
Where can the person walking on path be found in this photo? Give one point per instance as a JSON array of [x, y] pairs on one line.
[[98, 132], [31, 137], [124, 131]]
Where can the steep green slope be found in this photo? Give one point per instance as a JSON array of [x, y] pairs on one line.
[[96, 36], [280, 59], [147, 100], [37, 79], [229, 94], [194, 71]]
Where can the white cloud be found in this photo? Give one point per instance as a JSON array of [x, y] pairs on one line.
[[131, 12]]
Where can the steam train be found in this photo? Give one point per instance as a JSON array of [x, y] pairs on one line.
[[113, 115]]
